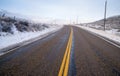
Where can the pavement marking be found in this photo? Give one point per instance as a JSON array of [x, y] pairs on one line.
[[66, 59], [103, 38], [108, 41]]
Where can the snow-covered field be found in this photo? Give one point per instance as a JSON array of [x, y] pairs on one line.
[[19, 37], [107, 34]]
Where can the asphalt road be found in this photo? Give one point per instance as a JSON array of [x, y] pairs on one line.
[[71, 51]]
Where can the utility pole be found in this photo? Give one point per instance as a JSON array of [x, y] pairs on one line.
[[105, 15], [70, 22], [77, 20], [14, 17]]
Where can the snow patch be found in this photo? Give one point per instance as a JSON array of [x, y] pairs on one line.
[[14, 29]]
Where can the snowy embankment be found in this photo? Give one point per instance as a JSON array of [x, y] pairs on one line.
[[18, 37], [110, 35]]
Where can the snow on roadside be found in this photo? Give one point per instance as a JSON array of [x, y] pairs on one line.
[[19, 37], [113, 31], [106, 34]]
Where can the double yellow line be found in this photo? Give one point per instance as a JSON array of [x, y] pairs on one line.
[[66, 59]]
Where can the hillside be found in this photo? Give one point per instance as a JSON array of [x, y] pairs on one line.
[[111, 23], [10, 24]]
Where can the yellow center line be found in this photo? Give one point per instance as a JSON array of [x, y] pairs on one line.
[[66, 59]]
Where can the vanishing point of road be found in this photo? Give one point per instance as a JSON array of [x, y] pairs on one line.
[[71, 51]]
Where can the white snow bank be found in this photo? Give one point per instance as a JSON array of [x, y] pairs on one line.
[[109, 35], [113, 31], [19, 37]]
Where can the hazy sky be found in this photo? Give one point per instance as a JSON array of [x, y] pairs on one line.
[[85, 10]]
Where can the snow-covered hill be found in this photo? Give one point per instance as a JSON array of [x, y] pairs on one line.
[[11, 23], [10, 14], [111, 23], [15, 30]]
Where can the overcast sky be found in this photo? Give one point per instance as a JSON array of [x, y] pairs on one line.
[[85, 10]]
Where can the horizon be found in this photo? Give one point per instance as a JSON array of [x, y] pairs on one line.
[[68, 11]]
